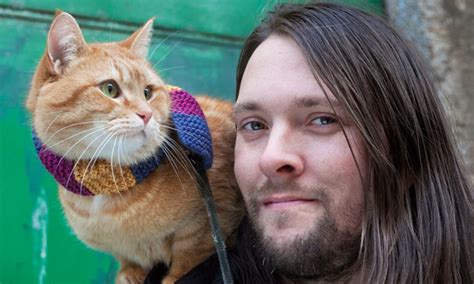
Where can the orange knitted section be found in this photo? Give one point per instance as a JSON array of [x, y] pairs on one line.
[[99, 177]]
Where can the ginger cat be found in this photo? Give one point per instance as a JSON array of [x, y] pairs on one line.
[[104, 102]]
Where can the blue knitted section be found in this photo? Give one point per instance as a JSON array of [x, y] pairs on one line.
[[37, 142], [193, 133], [141, 170]]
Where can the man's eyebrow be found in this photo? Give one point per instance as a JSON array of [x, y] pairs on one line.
[[247, 106], [311, 102]]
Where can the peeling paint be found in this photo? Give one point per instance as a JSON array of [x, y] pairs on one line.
[[40, 226]]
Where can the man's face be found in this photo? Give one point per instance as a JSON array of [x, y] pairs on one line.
[[294, 166]]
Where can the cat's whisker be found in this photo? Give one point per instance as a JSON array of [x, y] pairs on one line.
[[126, 159], [77, 134], [180, 130], [169, 156], [69, 126], [79, 159], [75, 144], [172, 157], [173, 145], [72, 125], [80, 156], [170, 68], [163, 41], [166, 54], [119, 154], [91, 164], [60, 113], [122, 198], [97, 152], [53, 112], [97, 157], [112, 163], [179, 156]]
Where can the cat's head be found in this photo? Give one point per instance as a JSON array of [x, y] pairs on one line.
[[99, 100]]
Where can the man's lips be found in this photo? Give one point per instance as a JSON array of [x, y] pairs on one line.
[[286, 200]]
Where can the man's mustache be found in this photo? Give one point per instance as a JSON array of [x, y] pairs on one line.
[[269, 188]]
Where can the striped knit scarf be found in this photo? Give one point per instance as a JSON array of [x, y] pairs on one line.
[[192, 132]]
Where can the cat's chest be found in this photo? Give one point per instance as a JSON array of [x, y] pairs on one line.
[[91, 208], [99, 203], [104, 218], [107, 224]]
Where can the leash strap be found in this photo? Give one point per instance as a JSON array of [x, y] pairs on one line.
[[193, 133], [205, 189]]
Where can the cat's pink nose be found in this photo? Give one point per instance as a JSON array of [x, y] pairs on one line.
[[145, 115]]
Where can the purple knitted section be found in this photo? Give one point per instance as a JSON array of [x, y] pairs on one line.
[[191, 125], [183, 102], [60, 169]]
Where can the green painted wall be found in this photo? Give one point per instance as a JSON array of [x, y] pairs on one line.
[[197, 43]]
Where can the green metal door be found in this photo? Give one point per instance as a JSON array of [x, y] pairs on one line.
[[195, 45]]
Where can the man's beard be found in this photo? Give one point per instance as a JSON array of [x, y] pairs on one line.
[[324, 253]]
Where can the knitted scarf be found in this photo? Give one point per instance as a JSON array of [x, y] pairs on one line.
[[192, 133]]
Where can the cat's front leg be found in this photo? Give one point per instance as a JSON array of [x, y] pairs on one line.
[[130, 273]]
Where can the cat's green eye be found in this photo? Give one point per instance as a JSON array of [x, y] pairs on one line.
[[148, 92], [110, 89]]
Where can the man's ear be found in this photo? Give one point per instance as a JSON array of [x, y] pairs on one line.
[[139, 41], [65, 42]]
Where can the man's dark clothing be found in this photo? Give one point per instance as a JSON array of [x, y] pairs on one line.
[[245, 265]]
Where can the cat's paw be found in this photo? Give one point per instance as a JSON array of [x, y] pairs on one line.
[[131, 275]]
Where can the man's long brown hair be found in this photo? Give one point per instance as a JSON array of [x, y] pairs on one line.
[[418, 224]]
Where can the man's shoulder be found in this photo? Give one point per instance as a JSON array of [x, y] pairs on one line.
[[245, 265], [206, 272]]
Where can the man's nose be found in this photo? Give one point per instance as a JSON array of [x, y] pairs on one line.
[[281, 157]]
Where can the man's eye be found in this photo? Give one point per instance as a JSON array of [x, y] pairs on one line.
[[253, 126], [323, 120]]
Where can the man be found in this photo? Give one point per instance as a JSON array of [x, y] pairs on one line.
[[344, 157]]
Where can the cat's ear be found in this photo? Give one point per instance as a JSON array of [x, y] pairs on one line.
[[139, 41], [65, 42]]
